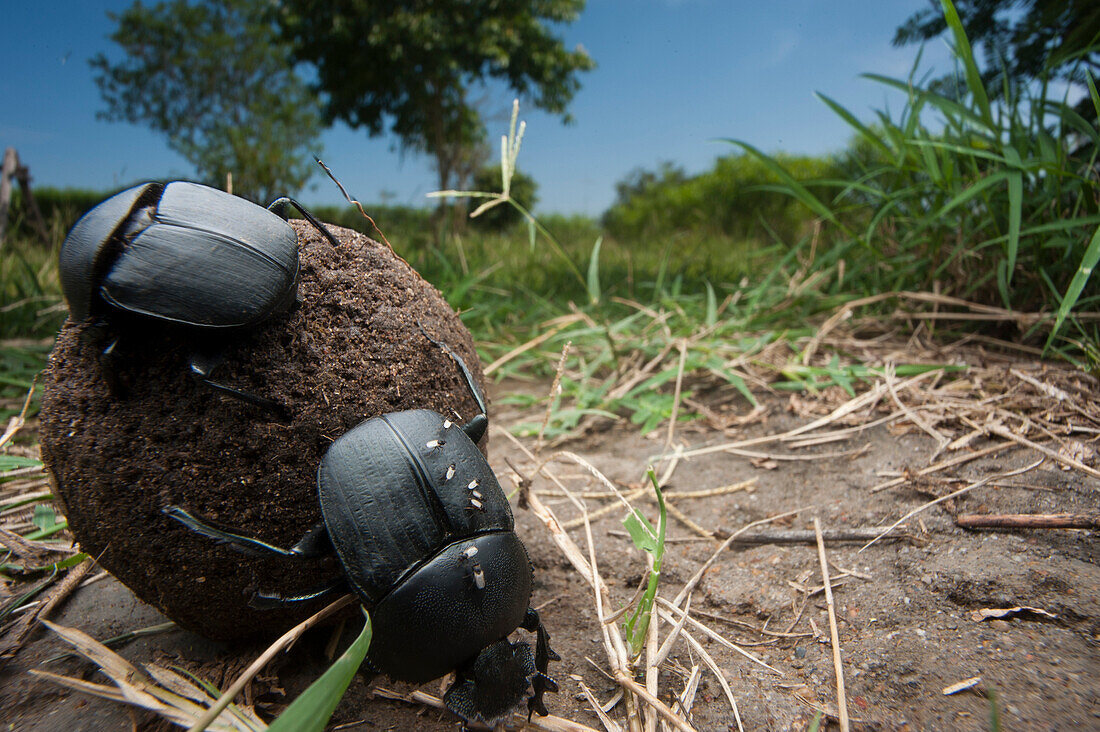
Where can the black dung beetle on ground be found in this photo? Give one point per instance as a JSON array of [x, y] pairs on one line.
[[185, 255], [425, 535]]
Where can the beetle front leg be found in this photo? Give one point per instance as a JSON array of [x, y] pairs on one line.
[[264, 601], [278, 207], [314, 545], [541, 683], [203, 365]]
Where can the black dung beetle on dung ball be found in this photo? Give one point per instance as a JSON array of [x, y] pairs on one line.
[[426, 539], [184, 255]]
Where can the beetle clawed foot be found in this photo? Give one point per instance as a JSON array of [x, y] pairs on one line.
[[541, 684], [490, 687]]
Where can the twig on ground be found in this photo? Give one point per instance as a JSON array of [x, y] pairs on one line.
[[941, 499], [834, 633], [676, 611], [691, 583], [717, 671], [805, 536], [944, 465], [1028, 521], [1008, 434], [16, 423]]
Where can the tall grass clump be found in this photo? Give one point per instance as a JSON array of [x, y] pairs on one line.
[[31, 305], [992, 198]]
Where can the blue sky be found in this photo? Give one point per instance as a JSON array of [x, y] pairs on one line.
[[673, 77]]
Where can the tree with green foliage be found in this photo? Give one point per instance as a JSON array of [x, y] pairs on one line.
[[217, 79], [409, 67], [1021, 39]]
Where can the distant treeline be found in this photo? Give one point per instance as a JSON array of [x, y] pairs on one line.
[[734, 199]]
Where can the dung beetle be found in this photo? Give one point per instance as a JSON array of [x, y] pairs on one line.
[[184, 255], [426, 539]]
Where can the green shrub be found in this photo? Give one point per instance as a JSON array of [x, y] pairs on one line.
[[992, 201]]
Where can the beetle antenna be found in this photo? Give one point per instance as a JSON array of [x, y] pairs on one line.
[[279, 204]]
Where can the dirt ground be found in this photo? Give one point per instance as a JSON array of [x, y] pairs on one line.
[[908, 608]]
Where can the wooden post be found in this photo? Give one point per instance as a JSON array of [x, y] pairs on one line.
[[13, 170], [7, 172]]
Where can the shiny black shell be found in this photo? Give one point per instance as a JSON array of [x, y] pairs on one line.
[[183, 253], [415, 513]]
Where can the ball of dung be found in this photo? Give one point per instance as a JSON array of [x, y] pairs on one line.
[[125, 442]]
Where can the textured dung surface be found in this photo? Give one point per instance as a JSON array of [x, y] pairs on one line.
[[351, 351]]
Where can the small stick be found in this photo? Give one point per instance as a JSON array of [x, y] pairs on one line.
[[1052, 454], [17, 422], [944, 464], [666, 647], [687, 521], [608, 723], [671, 616], [690, 585], [834, 635], [804, 536], [601, 512], [626, 681], [959, 492], [714, 668], [1028, 521], [523, 348], [354, 202], [676, 395]]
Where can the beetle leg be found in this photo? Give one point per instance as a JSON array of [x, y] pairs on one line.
[[108, 366], [315, 544], [264, 601], [278, 207], [541, 683], [475, 428], [307, 548], [203, 365]]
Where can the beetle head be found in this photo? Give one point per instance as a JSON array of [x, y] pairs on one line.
[[494, 684]]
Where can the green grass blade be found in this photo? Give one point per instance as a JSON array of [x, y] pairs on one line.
[[1015, 213], [966, 55], [1092, 93], [1080, 279], [594, 273], [793, 187], [712, 306], [311, 711], [867, 133]]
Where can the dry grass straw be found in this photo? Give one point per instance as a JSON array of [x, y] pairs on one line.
[[1002, 399], [834, 634], [152, 687], [543, 724]]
